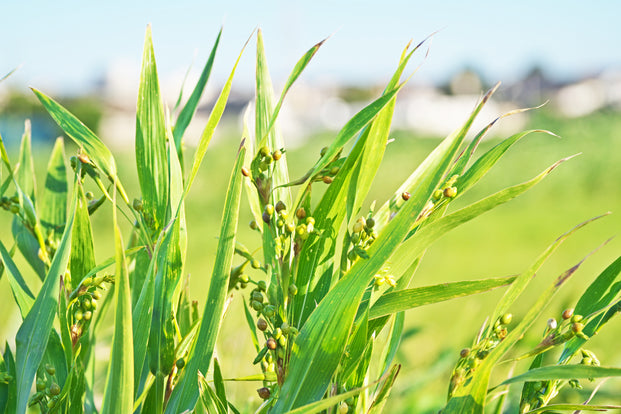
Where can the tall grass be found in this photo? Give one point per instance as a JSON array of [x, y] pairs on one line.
[[329, 273]]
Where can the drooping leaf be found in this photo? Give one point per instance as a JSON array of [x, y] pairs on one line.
[[98, 153], [22, 294], [400, 300]]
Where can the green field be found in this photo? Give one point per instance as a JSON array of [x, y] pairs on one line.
[[502, 242]]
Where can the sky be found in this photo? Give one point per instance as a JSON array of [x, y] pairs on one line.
[[64, 46]]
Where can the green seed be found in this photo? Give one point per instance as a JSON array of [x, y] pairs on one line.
[[268, 159], [41, 385], [437, 195], [258, 306], [277, 333], [285, 328], [343, 408], [78, 315], [264, 151], [310, 220], [293, 289], [576, 318], [96, 295], [137, 204], [269, 311], [370, 222], [290, 227], [88, 315], [323, 151], [282, 341], [355, 238], [506, 319], [358, 227], [255, 264], [258, 296], [180, 363], [50, 369], [254, 225], [243, 278], [262, 285], [86, 303]]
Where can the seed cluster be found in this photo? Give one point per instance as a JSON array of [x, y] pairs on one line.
[[362, 237], [47, 389], [470, 358]]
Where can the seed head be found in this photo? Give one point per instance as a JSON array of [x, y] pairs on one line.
[[405, 196]]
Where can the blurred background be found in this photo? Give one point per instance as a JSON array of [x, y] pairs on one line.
[[88, 57]]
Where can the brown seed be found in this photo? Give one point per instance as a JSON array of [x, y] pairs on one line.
[[245, 172], [405, 196], [464, 352], [271, 343], [300, 213], [450, 192], [326, 179], [261, 324], [577, 327], [568, 313], [264, 393], [277, 155]]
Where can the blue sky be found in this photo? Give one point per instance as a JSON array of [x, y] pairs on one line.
[[66, 45]]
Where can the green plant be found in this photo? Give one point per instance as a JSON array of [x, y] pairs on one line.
[[332, 272]]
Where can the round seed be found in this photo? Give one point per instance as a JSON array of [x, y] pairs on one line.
[[405, 196]]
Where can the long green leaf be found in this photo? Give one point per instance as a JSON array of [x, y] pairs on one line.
[[407, 253], [119, 391], [212, 123], [564, 372], [22, 294], [151, 152], [400, 300], [603, 291], [185, 394], [318, 348], [53, 200], [186, 114], [32, 336], [573, 407]]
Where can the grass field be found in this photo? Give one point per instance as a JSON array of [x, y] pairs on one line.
[[502, 242]]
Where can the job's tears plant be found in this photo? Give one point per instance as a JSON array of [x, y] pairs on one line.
[[328, 277]]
